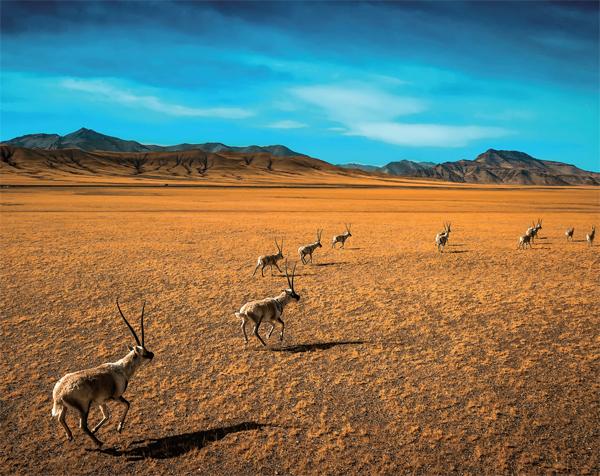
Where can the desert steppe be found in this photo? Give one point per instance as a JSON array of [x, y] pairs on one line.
[[482, 360]]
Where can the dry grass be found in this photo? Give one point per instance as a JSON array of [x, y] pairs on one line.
[[482, 360]]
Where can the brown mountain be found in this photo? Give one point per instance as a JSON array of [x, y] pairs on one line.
[[21, 165], [90, 140], [506, 167]]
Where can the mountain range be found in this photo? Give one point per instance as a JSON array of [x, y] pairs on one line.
[[493, 166], [89, 140], [89, 153]]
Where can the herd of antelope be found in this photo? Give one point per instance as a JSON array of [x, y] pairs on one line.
[[107, 382]]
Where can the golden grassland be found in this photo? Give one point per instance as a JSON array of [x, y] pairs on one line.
[[397, 359]]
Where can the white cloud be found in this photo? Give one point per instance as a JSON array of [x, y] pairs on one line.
[[352, 104], [425, 135], [108, 92], [286, 124], [366, 112]]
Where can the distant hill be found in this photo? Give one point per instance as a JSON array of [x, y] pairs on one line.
[[87, 139], [406, 168], [363, 167], [496, 167]]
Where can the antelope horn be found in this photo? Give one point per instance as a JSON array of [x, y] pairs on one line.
[[137, 340], [142, 319]]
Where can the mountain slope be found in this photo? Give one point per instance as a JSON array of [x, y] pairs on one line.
[[511, 167], [87, 139], [494, 167], [21, 165]]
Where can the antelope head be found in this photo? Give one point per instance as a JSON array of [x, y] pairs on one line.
[[139, 350], [279, 248], [319, 233], [348, 229], [290, 291]]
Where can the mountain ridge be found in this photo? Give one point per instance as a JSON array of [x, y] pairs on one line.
[[493, 166], [90, 140]]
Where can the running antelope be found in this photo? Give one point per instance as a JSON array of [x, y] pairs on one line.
[[307, 250], [79, 390], [341, 238], [569, 233], [524, 241], [590, 236], [441, 239], [268, 310], [270, 260]]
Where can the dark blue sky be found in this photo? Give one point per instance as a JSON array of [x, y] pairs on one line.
[[360, 81]]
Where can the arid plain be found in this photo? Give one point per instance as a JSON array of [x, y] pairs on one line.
[[481, 360]]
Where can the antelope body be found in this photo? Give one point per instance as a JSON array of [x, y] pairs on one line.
[[569, 233], [590, 236], [268, 310], [98, 385], [441, 239], [341, 238], [307, 250], [270, 260], [524, 241]]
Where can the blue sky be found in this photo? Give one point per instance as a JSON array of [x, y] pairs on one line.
[[361, 82]]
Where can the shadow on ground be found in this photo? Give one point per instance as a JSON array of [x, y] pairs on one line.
[[177, 445], [456, 251], [316, 346], [333, 263]]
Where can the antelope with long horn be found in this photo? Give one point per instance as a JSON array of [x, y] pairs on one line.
[[569, 233], [268, 310], [98, 385], [270, 260], [441, 239], [307, 250], [342, 238], [590, 236]]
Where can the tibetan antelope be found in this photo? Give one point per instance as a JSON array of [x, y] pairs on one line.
[[441, 239], [79, 390], [569, 233], [341, 238], [590, 236], [270, 260], [524, 241], [307, 250], [268, 310], [533, 230]]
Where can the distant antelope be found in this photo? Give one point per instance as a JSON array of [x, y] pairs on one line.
[[569, 233], [590, 236], [270, 260], [533, 230], [268, 310], [307, 250], [79, 390], [448, 230], [441, 239], [524, 241], [341, 238]]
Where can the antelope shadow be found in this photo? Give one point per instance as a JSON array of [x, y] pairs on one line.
[[294, 349], [456, 251], [332, 263], [177, 445]]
